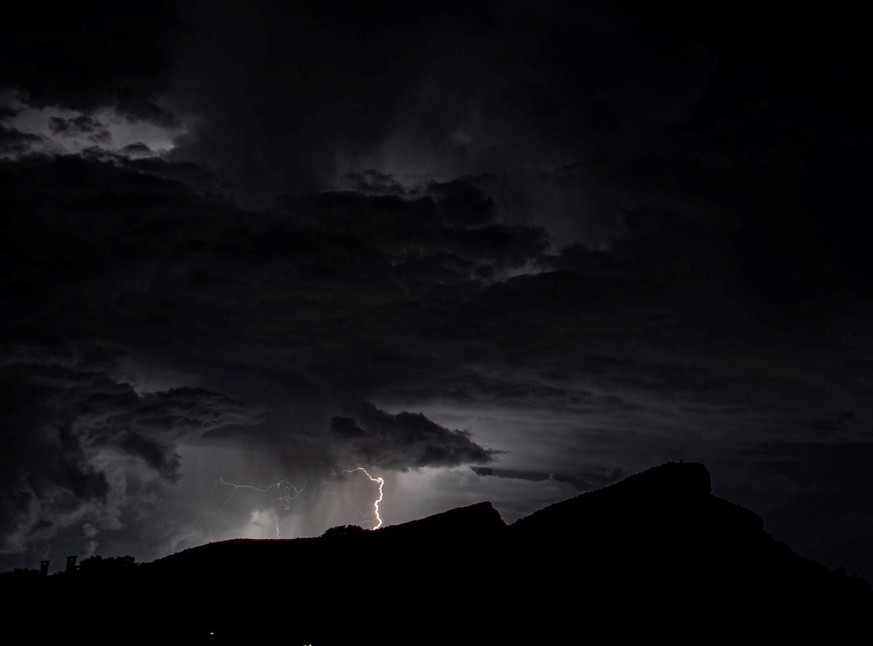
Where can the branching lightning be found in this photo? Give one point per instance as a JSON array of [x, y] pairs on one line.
[[287, 493], [381, 482]]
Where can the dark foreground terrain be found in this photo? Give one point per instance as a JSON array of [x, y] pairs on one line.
[[656, 556]]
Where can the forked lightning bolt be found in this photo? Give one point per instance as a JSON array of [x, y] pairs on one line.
[[380, 481], [288, 492], [284, 488]]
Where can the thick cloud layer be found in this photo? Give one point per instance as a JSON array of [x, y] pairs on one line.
[[422, 298], [594, 237], [14, 143], [83, 125], [403, 441], [80, 447]]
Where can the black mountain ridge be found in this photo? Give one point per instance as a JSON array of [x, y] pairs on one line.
[[654, 556]]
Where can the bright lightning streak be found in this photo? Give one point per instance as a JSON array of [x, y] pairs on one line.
[[288, 492], [380, 481]]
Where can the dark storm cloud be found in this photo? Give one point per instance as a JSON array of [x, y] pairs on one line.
[[443, 90], [374, 182], [403, 440], [16, 143], [593, 479], [484, 387], [830, 424], [81, 126], [118, 240], [452, 232], [137, 149], [655, 109], [74, 434], [633, 232], [85, 57], [406, 291], [343, 77], [413, 282]]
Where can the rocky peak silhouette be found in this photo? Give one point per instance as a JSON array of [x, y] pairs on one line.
[[653, 556]]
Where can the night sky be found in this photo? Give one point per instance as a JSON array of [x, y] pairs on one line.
[[506, 251]]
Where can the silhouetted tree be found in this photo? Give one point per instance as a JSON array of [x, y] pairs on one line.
[[344, 530]]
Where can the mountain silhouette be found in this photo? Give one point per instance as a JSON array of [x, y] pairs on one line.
[[655, 556]]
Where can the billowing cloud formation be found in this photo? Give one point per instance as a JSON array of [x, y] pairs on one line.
[[402, 441], [134, 247], [14, 143], [596, 235], [182, 277], [416, 298], [79, 446], [137, 150], [81, 126]]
